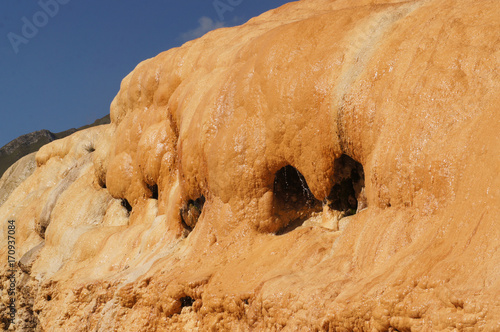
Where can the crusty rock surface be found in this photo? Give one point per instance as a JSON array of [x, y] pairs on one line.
[[407, 89]]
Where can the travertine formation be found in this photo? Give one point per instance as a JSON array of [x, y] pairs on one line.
[[329, 165]]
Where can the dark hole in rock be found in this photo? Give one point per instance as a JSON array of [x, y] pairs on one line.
[[186, 301], [245, 301], [347, 194], [293, 200], [191, 211], [126, 205], [154, 191], [89, 147], [101, 182], [49, 298]]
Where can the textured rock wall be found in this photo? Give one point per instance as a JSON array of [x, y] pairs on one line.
[[221, 195]]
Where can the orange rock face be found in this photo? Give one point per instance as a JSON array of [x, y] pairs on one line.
[[329, 165]]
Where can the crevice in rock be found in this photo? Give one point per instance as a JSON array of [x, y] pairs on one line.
[[190, 212], [101, 182], [293, 200], [154, 191], [126, 205]]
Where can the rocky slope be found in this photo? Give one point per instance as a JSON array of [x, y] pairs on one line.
[[24, 145], [329, 165], [29, 143]]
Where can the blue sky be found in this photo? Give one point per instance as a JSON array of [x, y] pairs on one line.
[[62, 61]]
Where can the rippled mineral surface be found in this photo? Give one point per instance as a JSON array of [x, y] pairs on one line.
[[329, 165]]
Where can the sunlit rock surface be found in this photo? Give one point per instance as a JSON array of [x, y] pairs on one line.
[[329, 165]]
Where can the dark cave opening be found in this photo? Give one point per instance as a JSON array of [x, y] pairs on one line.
[[293, 200], [347, 194], [154, 191], [290, 187], [190, 212], [186, 301]]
